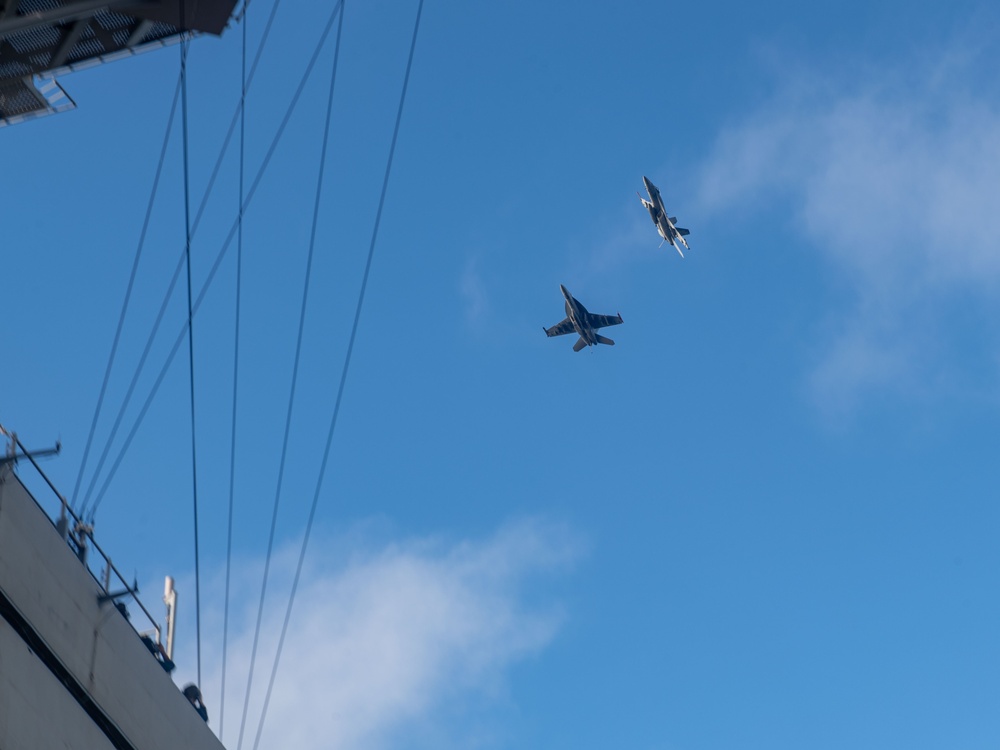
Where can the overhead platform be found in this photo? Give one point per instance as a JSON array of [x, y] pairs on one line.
[[45, 38], [21, 100]]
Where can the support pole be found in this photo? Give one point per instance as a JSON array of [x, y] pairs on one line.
[[170, 599]]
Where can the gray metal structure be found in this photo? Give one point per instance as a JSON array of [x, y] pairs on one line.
[[52, 37], [664, 224], [584, 323], [82, 661]]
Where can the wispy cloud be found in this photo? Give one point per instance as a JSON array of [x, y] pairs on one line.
[[894, 176], [391, 637], [633, 241], [474, 295]]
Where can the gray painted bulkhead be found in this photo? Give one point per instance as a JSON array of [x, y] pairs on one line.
[[73, 672]]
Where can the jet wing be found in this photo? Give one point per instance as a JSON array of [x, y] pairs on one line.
[[560, 329], [601, 321]]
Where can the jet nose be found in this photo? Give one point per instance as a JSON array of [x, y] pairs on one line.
[[564, 290], [646, 182]]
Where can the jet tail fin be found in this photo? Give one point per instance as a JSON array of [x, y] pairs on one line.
[[580, 343], [604, 340], [683, 232]]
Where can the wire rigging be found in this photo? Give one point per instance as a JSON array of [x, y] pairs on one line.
[[190, 330], [128, 295], [236, 372], [218, 260], [132, 384], [343, 380], [295, 377], [180, 264]]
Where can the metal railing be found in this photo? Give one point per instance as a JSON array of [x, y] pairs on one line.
[[80, 537]]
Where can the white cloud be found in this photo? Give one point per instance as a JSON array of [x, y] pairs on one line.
[[894, 177], [385, 640]]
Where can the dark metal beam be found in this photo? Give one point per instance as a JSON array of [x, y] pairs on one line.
[[63, 14], [9, 9], [139, 33], [69, 42]]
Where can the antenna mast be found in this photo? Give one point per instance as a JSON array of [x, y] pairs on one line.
[[170, 599]]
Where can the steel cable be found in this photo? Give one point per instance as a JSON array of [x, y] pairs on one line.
[[128, 297], [180, 265], [295, 376], [218, 262], [236, 372], [190, 329], [343, 380]]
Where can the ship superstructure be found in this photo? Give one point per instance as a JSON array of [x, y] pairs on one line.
[[75, 670]]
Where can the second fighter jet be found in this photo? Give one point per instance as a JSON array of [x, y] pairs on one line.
[[664, 224]]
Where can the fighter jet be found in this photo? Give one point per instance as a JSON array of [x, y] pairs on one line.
[[664, 224], [582, 322]]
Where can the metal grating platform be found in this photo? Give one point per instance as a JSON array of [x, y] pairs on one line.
[[21, 100], [53, 37]]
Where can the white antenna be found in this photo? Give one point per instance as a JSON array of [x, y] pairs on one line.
[[170, 599]]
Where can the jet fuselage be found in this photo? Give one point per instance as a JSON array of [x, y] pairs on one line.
[[581, 322], [664, 225], [577, 315]]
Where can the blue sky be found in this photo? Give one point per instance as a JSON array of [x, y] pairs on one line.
[[766, 518]]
